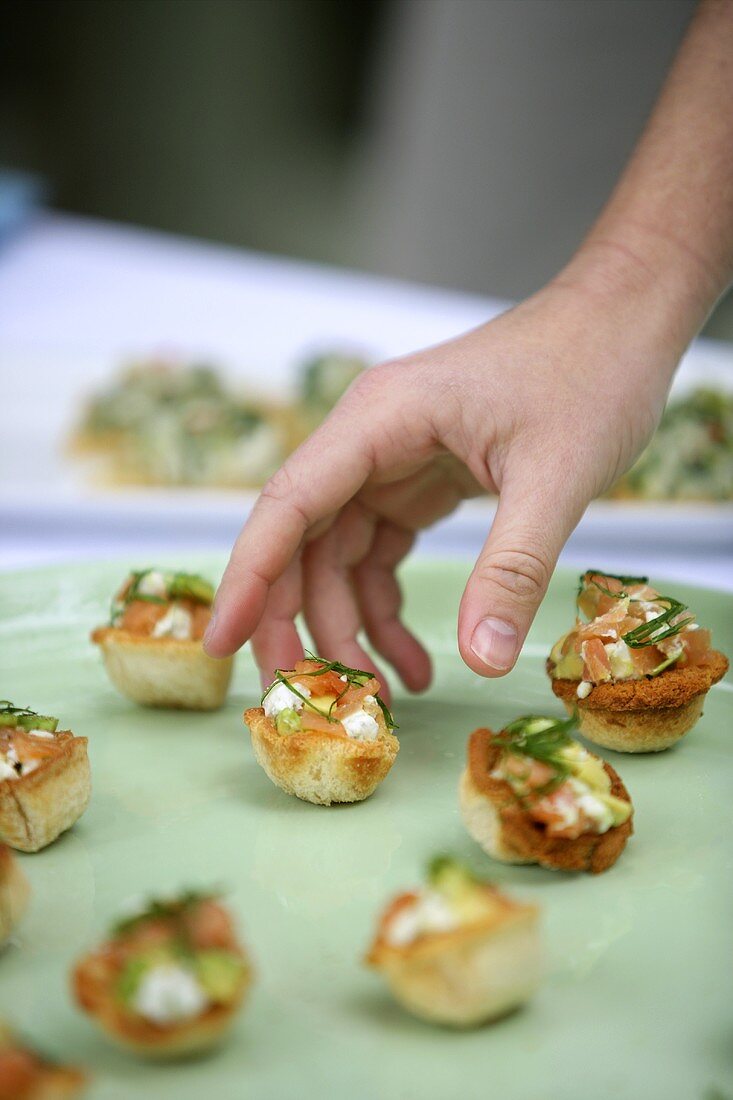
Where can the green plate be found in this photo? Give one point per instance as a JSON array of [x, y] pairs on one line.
[[637, 996]]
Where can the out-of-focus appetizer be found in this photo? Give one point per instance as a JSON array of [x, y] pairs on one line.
[[152, 646], [25, 1074], [169, 980], [323, 381], [458, 951], [690, 456], [532, 794], [322, 732], [636, 665], [14, 893], [158, 424], [45, 780]]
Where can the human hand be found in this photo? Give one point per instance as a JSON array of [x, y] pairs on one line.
[[546, 405]]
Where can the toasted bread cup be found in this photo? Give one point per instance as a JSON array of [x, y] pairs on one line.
[[152, 648], [49, 788], [636, 666], [165, 939], [163, 672], [14, 893], [502, 824], [646, 715], [323, 733], [321, 767], [481, 969], [26, 1075]]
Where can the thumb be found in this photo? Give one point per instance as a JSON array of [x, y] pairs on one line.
[[534, 519]]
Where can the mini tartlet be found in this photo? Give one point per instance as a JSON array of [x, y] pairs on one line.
[[169, 980], [531, 794], [14, 893], [458, 952], [636, 666], [45, 779], [25, 1074], [152, 646], [323, 733]]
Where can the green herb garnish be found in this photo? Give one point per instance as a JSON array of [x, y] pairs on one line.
[[661, 626], [177, 586], [164, 909], [25, 718], [543, 739], [623, 578], [355, 677]]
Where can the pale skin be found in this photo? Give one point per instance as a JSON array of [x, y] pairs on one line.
[[546, 405]]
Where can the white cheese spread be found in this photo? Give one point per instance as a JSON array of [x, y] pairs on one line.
[[429, 913], [153, 584], [176, 623], [281, 697], [169, 994]]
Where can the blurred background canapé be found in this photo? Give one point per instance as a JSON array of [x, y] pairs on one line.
[[187, 190]]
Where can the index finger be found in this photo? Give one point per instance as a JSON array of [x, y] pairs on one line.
[[315, 482]]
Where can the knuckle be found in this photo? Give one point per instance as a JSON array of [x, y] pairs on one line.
[[278, 487], [519, 573]]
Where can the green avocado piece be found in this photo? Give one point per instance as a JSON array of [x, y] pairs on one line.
[[220, 974], [288, 721], [450, 877], [191, 586], [24, 719]]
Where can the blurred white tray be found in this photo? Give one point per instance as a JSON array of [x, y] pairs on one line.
[[78, 297]]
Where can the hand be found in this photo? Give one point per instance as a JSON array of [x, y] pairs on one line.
[[546, 406]]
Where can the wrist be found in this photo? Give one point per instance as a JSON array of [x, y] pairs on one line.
[[648, 280]]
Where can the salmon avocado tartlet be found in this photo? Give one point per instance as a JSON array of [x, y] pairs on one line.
[[637, 665], [532, 794], [323, 733], [170, 978], [25, 1074], [457, 951], [45, 780], [152, 644]]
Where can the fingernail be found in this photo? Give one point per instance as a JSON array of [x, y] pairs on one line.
[[495, 643], [210, 630]]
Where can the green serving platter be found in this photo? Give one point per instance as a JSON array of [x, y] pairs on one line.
[[637, 998]]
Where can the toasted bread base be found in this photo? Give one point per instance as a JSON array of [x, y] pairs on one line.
[[496, 820], [14, 894], [38, 807], [647, 715], [163, 672], [467, 977], [91, 989], [320, 767]]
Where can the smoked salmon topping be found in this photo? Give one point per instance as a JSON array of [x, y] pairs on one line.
[[320, 696], [557, 782], [25, 1074], [156, 604], [630, 631]]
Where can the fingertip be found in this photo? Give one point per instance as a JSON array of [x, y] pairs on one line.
[[491, 647]]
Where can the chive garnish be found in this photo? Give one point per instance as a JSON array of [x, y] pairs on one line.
[[543, 739], [661, 626], [164, 909], [355, 677]]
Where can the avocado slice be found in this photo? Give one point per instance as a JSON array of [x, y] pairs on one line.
[[288, 721], [191, 586], [450, 877], [220, 974], [25, 719]]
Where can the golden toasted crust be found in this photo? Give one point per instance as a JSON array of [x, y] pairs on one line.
[[14, 893], [468, 976], [495, 818], [91, 988], [38, 807], [321, 767], [38, 1080], [646, 715], [163, 672]]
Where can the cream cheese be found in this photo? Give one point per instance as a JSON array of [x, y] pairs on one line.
[[153, 584], [429, 913], [282, 697], [176, 623], [169, 994]]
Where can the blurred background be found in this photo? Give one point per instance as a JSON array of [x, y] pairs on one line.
[[460, 145], [466, 143]]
